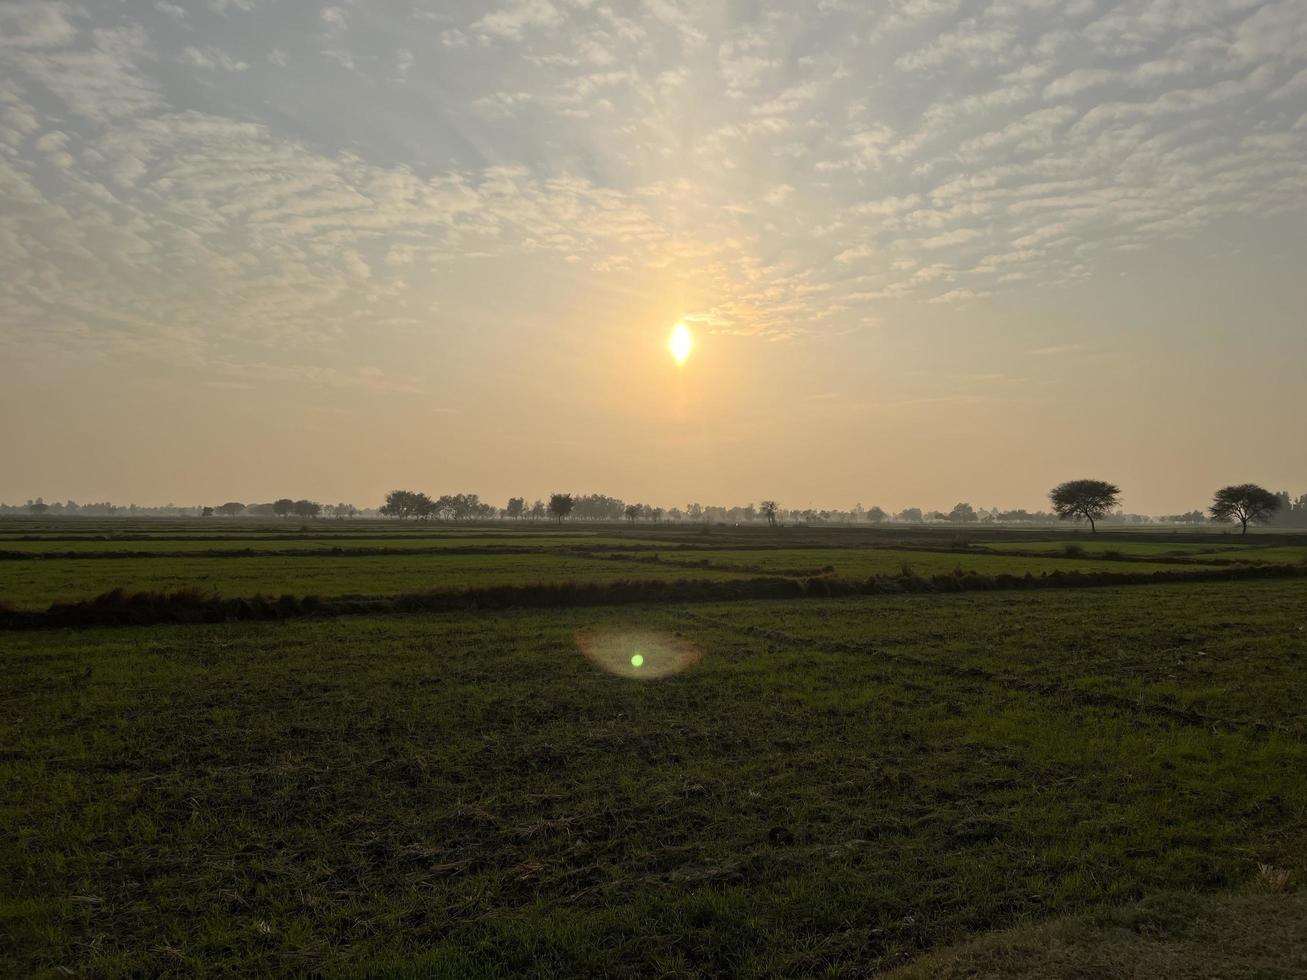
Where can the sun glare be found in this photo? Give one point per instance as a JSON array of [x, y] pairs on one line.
[[682, 343]]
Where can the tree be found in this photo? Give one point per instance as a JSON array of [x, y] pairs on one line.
[[206, 512], [1245, 502], [633, 512], [516, 508], [769, 509], [598, 507], [1090, 499], [911, 515], [877, 516], [538, 510], [560, 505], [407, 503], [962, 514], [307, 508], [423, 507], [395, 504], [344, 510], [283, 507], [231, 508]]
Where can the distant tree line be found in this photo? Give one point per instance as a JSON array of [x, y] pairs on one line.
[[1090, 501], [282, 507], [450, 507], [1290, 513]]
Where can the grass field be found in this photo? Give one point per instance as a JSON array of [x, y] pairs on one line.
[[38, 583], [318, 542], [332, 558], [823, 787], [27, 584]]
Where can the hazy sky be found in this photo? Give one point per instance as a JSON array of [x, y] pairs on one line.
[[931, 250]]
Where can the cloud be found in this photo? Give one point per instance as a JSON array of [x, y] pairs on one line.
[[958, 296], [210, 59], [957, 237], [970, 44], [855, 253], [36, 24], [796, 169], [513, 21]]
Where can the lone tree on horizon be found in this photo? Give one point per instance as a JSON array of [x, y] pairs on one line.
[[560, 505], [1090, 499], [769, 508], [1244, 502]]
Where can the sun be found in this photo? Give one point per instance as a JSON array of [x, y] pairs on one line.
[[681, 343]]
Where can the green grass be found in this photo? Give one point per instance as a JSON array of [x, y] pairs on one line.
[[246, 542], [35, 584], [1235, 550], [857, 563], [1243, 936], [1142, 549], [1289, 555], [834, 789]]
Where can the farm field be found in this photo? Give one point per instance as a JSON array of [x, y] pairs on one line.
[[776, 787], [1132, 548], [1225, 551], [863, 562], [835, 787], [314, 570], [28, 584], [1294, 555], [240, 544]]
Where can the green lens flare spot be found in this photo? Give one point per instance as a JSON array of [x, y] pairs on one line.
[[637, 660]]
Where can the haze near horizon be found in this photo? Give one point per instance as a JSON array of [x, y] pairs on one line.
[[926, 250]]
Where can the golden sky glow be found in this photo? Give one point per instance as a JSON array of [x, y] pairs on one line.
[[922, 252]]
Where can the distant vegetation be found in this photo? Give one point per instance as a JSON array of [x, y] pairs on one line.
[[1092, 501]]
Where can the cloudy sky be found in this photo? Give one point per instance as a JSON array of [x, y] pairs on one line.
[[931, 250]]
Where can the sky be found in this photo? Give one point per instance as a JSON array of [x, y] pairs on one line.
[[929, 250]]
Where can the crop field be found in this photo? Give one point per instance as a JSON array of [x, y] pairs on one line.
[[48, 561], [242, 544], [943, 782]]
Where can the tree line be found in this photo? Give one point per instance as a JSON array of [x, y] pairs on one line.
[[1093, 501]]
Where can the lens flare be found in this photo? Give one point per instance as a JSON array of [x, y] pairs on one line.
[[640, 654], [681, 343]]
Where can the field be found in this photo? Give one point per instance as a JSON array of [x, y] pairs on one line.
[[950, 783]]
